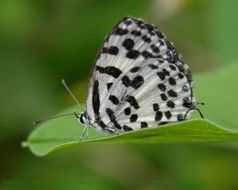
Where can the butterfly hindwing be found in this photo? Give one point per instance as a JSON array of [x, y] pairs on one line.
[[155, 93]]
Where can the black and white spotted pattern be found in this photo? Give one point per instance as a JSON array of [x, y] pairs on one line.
[[138, 81]]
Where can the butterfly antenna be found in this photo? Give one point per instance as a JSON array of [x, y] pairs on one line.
[[64, 115], [198, 110], [195, 108], [69, 91], [55, 117]]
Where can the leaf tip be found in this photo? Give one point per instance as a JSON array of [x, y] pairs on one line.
[[24, 144]]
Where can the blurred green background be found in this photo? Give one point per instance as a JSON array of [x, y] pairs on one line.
[[43, 41]]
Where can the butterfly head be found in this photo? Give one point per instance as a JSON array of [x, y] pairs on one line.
[[82, 117]]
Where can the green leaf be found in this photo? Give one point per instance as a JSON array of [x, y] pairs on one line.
[[216, 89], [51, 138]]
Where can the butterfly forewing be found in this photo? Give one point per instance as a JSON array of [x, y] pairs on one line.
[[138, 80]]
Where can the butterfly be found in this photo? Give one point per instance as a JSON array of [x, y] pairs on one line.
[[138, 81]]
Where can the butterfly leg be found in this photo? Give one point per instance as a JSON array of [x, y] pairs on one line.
[[84, 135]]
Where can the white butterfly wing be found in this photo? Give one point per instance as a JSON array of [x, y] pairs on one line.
[[132, 54]]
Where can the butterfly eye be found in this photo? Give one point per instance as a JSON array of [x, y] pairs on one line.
[[82, 117]]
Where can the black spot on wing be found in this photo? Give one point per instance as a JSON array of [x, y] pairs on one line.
[[185, 88], [170, 104], [132, 101], [187, 103], [110, 70], [140, 24], [128, 44], [133, 54], [166, 72], [110, 114], [143, 125], [136, 33], [96, 99], [162, 87], [113, 50], [161, 42], [180, 117], [119, 31], [128, 22], [172, 67], [136, 83], [109, 85], [172, 81], [156, 107], [112, 117], [172, 93], [114, 99], [135, 69], [163, 97], [126, 81], [127, 128], [127, 111], [180, 75], [101, 124], [133, 118], [155, 48], [146, 39], [161, 75], [146, 54], [168, 114], [153, 66], [158, 116]]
